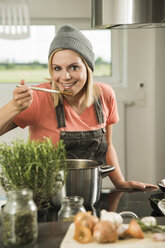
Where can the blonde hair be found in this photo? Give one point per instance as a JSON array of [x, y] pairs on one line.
[[92, 91]]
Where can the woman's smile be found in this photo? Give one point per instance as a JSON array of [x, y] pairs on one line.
[[68, 85], [69, 71]]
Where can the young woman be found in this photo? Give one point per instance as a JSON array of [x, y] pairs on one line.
[[83, 118]]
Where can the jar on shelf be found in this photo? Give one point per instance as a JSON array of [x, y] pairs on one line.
[[71, 205], [19, 219]]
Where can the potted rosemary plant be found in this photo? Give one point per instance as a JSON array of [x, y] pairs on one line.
[[33, 165]]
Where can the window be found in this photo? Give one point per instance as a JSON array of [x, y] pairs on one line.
[[101, 41], [26, 58], [110, 48]]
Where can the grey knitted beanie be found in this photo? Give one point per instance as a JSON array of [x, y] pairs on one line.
[[69, 37]]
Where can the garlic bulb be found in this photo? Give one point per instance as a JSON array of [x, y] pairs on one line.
[[159, 236], [149, 221], [113, 217], [121, 229]]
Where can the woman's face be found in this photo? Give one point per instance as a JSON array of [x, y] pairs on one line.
[[69, 72]]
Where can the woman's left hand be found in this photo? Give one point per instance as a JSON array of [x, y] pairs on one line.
[[136, 185]]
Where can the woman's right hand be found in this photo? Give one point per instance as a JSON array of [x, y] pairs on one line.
[[22, 96]]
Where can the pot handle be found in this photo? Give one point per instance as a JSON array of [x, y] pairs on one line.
[[129, 213], [105, 169]]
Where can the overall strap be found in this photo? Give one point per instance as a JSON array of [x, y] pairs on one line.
[[60, 115], [99, 110]]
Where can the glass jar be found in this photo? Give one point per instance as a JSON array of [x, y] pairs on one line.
[[19, 219], [71, 205]]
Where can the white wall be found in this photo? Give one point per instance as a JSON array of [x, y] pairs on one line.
[[59, 9], [140, 117], [61, 12], [145, 119], [160, 103]]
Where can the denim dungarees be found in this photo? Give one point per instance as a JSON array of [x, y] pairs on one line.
[[84, 144]]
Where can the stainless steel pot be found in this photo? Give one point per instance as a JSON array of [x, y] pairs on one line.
[[84, 179]]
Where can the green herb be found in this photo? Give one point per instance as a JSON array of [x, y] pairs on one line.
[[33, 165], [151, 228], [19, 229]]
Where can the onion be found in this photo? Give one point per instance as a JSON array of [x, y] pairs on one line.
[[104, 232]]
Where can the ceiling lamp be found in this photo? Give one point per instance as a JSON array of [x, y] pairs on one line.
[[14, 19]]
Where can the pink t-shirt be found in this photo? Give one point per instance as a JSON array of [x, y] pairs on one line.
[[41, 115]]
